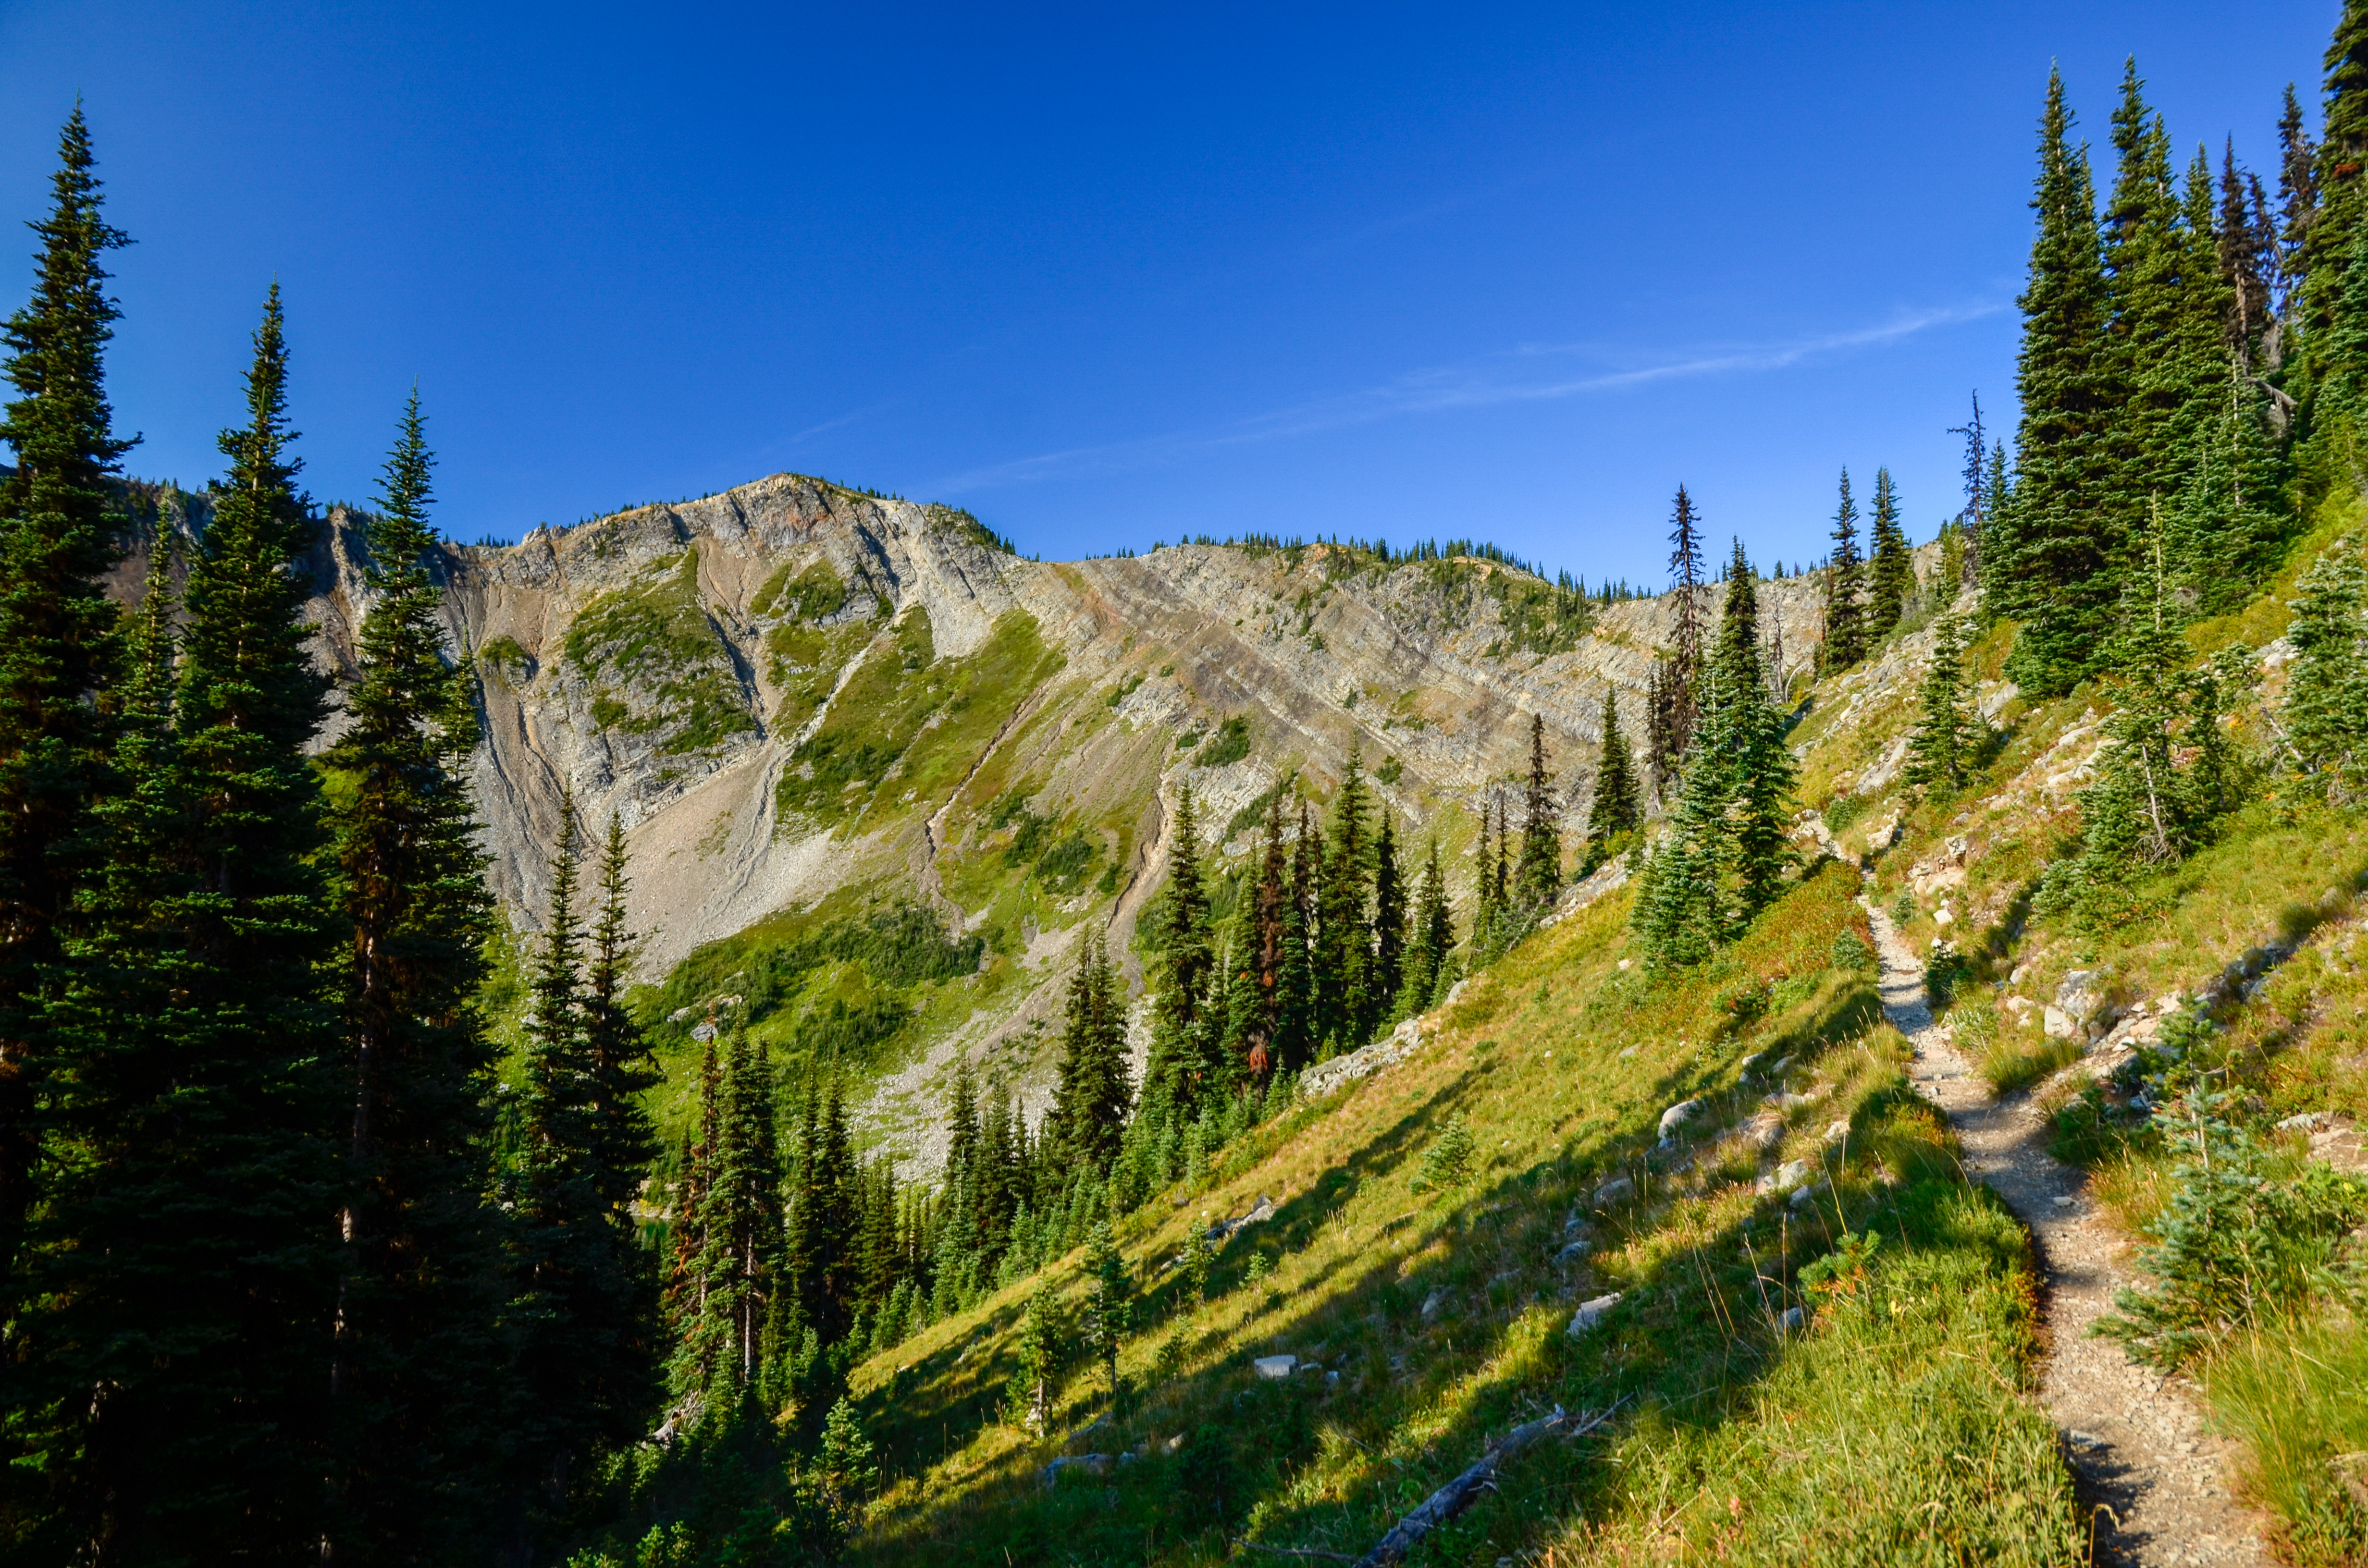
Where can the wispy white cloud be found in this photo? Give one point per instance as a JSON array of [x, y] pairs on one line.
[[1519, 375]]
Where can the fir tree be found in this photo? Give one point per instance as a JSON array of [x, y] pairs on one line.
[[1091, 1102], [1340, 935], [1947, 738], [1977, 497], [213, 1103], [1109, 1302], [740, 1224], [1891, 567], [59, 638], [1389, 927], [1295, 1017], [1262, 1031], [2326, 715], [578, 1310], [2328, 240], [1747, 739], [1035, 1362], [2297, 201], [1426, 952], [417, 1307], [1538, 877], [1177, 1069], [1614, 814], [2058, 563], [1844, 642]]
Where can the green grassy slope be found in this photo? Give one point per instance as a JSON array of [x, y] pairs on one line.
[[1444, 1314]]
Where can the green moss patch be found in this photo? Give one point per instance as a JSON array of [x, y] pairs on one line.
[[658, 666]]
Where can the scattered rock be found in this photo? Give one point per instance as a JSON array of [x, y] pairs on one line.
[[1258, 1215], [1431, 1303], [1276, 1367], [1387, 1051], [1091, 1464], [1618, 1189], [2058, 1024], [1790, 1101], [1590, 1313], [1789, 1320], [1673, 1120], [1805, 1196], [1837, 1133], [2085, 1441], [2305, 1121], [1576, 1252]]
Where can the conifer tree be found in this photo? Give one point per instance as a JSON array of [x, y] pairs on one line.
[[1108, 1303], [1262, 1031], [1091, 1102], [1035, 1362], [2058, 563], [1947, 738], [1430, 947], [1389, 927], [2342, 148], [1748, 740], [1295, 1019], [59, 638], [1615, 813], [208, 1436], [2326, 716], [417, 1307], [740, 1224], [1538, 875], [617, 1053], [1977, 495], [1340, 934], [821, 1266], [2297, 202], [1891, 568], [1174, 1074], [1685, 580], [584, 1372], [1844, 642], [2139, 811]]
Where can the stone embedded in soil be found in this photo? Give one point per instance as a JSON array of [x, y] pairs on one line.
[[1591, 1312]]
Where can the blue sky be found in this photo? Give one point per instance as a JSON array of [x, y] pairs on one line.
[[1107, 275]]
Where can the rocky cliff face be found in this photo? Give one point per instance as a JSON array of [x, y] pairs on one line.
[[790, 690]]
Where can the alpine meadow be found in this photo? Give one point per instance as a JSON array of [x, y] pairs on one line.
[[777, 1028]]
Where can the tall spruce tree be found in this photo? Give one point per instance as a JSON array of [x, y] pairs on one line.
[[578, 1307], [1389, 926], [738, 1267], [1977, 507], [1177, 1070], [59, 535], [1890, 566], [1430, 944], [1538, 875], [1845, 641], [2326, 716], [1947, 738], [1340, 935], [1092, 1099], [173, 1338], [1295, 1017], [1748, 738], [1262, 1032], [417, 1309], [2343, 150], [2059, 561], [1614, 813]]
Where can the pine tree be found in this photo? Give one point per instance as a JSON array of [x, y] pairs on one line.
[[201, 1029], [2297, 202], [579, 1309], [1430, 947], [1262, 1031], [1108, 1303], [59, 637], [1891, 567], [2325, 714], [1035, 1362], [416, 1308], [2058, 560], [1615, 813], [1091, 1102], [618, 1057], [2328, 242], [1538, 877], [1976, 509], [1295, 1017], [1947, 739], [1340, 935], [2140, 811], [740, 1226], [1748, 741], [1844, 642], [1175, 1070], [1389, 928]]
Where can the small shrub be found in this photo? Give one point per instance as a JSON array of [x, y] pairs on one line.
[[1903, 908], [1230, 745], [1851, 952], [1390, 771], [1448, 1163], [2242, 1239], [1842, 810]]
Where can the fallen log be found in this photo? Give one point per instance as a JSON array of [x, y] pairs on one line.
[[1456, 1495]]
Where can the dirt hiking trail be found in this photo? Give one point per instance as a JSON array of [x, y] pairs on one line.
[[2161, 1485]]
